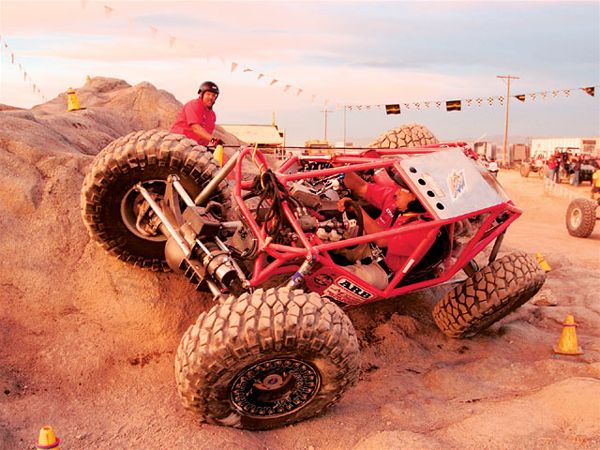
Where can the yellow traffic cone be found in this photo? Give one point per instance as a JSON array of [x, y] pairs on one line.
[[567, 344], [47, 439], [218, 154], [72, 101], [543, 263]]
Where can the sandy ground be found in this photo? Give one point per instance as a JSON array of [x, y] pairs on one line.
[[88, 346]]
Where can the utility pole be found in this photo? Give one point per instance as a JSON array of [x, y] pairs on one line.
[[325, 111], [507, 78]]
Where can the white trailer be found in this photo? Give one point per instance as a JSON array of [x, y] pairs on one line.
[[546, 146]]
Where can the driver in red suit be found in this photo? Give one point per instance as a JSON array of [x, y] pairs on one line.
[[398, 207]]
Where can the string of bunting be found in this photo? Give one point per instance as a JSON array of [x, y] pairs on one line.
[[173, 41], [457, 105], [15, 61]]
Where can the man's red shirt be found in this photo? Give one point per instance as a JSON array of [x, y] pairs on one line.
[[194, 112]]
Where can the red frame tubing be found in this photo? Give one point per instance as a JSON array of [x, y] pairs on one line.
[[283, 254]]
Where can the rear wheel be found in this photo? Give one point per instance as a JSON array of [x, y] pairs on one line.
[[114, 212], [411, 135], [266, 359], [488, 295], [581, 217]]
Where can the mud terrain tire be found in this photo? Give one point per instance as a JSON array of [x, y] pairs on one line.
[[266, 359], [107, 195], [411, 135], [489, 295], [581, 217]]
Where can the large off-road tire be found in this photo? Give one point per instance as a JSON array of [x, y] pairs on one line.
[[581, 217], [411, 135], [266, 359], [109, 201], [488, 295], [525, 169]]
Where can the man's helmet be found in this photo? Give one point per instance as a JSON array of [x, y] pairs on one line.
[[208, 86]]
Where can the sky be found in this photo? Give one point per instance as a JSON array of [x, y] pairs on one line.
[[346, 58]]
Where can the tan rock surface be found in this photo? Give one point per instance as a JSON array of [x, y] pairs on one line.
[[88, 342]]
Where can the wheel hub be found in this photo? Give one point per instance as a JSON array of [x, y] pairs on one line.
[[275, 388], [576, 217]]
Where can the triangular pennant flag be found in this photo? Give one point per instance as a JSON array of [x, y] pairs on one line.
[[427, 104], [501, 100], [532, 96], [589, 90], [260, 75], [247, 70], [172, 41], [417, 105], [491, 100], [469, 101], [479, 101], [350, 108], [544, 94], [453, 105], [287, 86], [273, 81], [390, 109], [520, 97], [359, 107], [299, 92], [108, 10], [368, 107], [153, 31], [406, 105], [438, 104], [567, 92], [233, 66], [554, 93]]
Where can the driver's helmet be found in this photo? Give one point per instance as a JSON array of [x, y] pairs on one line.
[[208, 86]]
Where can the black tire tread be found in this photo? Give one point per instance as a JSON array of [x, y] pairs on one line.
[[588, 217], [489, 295], [244, 330], [130, 156]]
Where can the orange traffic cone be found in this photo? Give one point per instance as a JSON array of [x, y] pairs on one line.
[[567, 344], [47, 439], [72, 101]]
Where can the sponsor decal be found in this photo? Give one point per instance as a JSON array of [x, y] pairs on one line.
[[348, 288], [457, 183], [322, 279]]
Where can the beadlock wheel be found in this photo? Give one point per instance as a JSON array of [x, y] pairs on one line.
[[275, 388], [266, 359]]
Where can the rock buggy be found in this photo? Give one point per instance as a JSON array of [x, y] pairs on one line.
[[275, 252]]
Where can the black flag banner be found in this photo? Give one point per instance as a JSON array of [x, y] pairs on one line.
[[589, 90], [520, 97], [453, 105], [392, 109]]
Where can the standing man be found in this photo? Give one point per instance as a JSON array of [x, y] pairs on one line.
[[196, 120]]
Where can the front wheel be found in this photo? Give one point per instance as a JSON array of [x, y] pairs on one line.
[[581, 217], [488, 295], [266, 359], [114, 212]]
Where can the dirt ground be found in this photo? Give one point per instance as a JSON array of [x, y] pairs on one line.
[[89, 343], [89, 348]]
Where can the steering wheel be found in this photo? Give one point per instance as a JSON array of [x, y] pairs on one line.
[[353, 211]]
